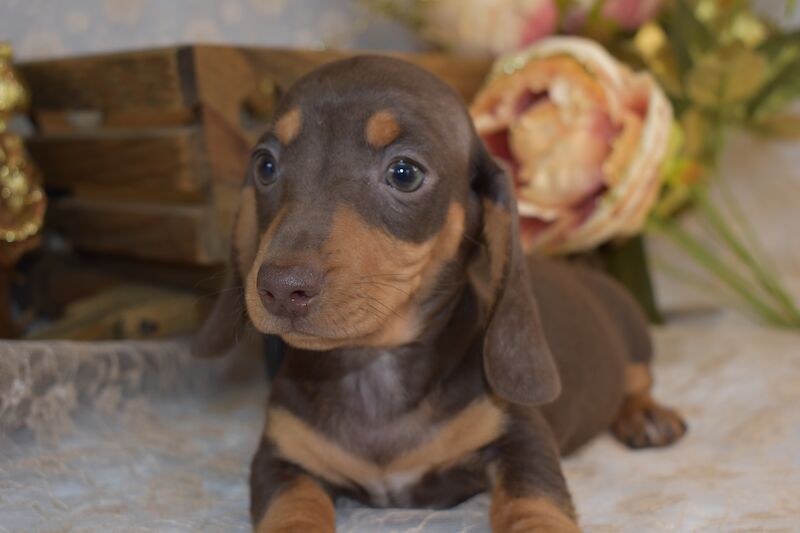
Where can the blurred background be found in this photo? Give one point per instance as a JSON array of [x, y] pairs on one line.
[[42, 28]]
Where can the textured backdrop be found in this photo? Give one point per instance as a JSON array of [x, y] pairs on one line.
[[46, 28]]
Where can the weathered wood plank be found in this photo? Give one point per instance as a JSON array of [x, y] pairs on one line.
[[165, 233], [59, 122], [127, 80], [158, 166]]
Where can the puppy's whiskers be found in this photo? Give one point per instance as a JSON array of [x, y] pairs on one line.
[[382, 284]]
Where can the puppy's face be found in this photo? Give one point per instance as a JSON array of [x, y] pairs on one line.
[[355, 203]]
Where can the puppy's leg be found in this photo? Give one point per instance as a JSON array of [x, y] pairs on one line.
[[643, 423], [529, 492], [285, 499]]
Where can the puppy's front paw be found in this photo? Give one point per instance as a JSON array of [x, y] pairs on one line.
[[643, 423], [530, 515], [298, 525], [302, 507]]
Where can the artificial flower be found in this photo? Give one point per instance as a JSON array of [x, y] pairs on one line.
[[484, 27], [583, 136]]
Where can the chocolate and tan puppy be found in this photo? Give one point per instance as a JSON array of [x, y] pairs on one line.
[[428, 359]]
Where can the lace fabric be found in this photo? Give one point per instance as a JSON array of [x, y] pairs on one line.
[[43, 383], [138, 437]]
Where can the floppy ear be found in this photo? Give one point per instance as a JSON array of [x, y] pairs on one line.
[[516, 358], [225, 324]]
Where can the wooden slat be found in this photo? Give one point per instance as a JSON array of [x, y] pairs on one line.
[[59, 122], [167, 233], [158, 166], [226, 76], [159, 78]]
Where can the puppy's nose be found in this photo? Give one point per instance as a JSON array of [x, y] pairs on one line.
[[288, 290]]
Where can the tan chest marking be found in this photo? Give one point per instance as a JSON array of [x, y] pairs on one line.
[[445, 445]]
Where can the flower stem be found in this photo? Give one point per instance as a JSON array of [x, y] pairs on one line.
[[710, 262], [768, 282]]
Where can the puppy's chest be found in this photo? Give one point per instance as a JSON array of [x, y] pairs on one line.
[[394, 462]]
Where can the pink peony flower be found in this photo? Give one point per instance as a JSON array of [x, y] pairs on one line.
[[583, 137], [630, 14], [488, 27], [540, 21]]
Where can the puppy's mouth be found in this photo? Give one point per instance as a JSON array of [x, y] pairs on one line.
[[329, 324]]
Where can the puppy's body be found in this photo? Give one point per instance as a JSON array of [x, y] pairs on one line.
[[420, 369]]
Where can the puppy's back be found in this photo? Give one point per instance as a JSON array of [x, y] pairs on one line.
[[594, 330]]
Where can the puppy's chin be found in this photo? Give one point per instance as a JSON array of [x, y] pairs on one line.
[[387, 335], [310, 342], [402, 328]]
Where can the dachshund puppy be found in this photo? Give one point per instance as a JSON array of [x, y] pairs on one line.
[[428, 359]]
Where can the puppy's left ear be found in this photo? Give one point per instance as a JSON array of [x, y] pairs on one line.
[[517, 360], [225, 324]]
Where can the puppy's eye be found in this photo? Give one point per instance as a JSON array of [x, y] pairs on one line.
[[405, 175], [266, 168]]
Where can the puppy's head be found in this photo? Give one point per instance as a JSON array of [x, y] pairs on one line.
[[358, 202]]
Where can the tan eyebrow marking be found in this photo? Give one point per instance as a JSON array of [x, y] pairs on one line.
[[288, 126], [382, 129]]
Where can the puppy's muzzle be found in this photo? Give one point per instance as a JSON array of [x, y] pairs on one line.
[[289, 291]]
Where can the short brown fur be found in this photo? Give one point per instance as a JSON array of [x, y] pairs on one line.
[[245, 233], [382, 129], [496, 232]]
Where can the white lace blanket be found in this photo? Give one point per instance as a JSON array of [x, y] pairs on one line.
[[178, 461]]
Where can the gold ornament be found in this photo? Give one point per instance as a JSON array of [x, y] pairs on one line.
[[22, 201], [13, 93]]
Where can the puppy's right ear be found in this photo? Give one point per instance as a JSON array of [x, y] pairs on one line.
[[225, 324]]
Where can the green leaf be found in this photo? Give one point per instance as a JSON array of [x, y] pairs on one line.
[[726, 76], [688, 35], [780, 90], [776, 44]]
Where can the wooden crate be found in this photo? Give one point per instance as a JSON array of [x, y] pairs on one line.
[[144, 152]]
